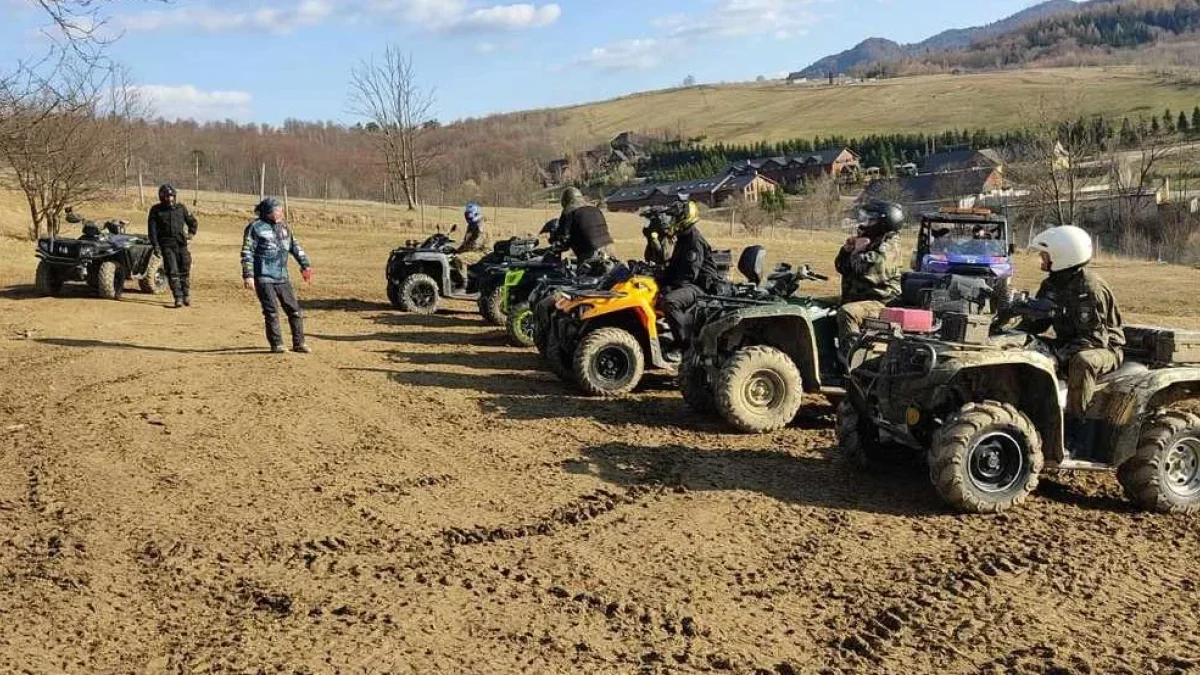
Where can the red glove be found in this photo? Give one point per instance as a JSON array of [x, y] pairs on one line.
[[307, 274]]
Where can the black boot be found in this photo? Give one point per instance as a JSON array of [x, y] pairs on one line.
[[1080, 437], [185, 285]]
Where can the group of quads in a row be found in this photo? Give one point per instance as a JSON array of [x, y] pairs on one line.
[[955, 373]]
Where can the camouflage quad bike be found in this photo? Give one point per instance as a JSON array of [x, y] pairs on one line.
[[985, 406], [759, 348], [103, 258]]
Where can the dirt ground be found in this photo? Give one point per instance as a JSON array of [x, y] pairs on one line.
[[416, 496]]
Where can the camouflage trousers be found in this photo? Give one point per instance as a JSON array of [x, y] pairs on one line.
[[1083, 369], [850, 319]]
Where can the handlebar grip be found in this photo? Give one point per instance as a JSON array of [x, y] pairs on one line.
[[820, 277]]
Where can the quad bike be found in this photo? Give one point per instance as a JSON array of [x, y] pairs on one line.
[[760, 348], [103, 258], [965, 243], [494, 278], [984, 403], [419, 274]]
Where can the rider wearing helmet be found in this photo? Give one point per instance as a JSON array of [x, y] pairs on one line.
[[1088, 338], [170, 227], [870, 265], [584, 227], [475, 239], [690, 272]]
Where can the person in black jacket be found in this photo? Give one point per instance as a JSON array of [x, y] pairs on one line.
[[584, 228], [689, 274], [170, 227]]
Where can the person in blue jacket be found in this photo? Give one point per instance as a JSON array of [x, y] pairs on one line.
[[266, 246]]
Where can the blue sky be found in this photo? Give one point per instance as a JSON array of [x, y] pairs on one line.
[[268, 61]]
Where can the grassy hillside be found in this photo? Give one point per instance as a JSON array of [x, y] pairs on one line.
[[775, 111]]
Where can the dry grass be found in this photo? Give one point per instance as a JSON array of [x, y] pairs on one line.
[[774, 111], [1148, 292]]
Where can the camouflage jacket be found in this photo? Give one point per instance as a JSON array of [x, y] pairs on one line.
[[265, 251], [1088, 316], [873, 273]]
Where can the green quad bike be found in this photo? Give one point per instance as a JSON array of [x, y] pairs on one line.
[[760, 348], [984, 405]]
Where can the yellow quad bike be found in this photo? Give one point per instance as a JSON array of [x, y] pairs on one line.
[[605, 339]]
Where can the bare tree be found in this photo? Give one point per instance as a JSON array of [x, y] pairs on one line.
[[385, 91], [64, 134], [1053, 162]]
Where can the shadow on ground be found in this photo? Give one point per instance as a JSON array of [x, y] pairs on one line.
[[102, 344], [812, 481]]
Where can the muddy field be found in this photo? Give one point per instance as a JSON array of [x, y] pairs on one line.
[[416, 496]]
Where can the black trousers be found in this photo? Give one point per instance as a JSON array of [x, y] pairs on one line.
[[273, 294], [677, 305], [177, 261]]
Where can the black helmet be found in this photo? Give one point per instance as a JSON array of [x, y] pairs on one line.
[[878, 217], [165, 191]]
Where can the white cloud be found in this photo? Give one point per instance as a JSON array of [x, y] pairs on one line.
[[437, 15], [640, 54], [189, 102], [727, 19]]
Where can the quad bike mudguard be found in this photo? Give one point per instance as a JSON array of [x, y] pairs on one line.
[[629, 304], [1124, 401]]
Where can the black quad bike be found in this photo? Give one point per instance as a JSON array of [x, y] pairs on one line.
[[760, 348], [103, 258], [420, 274], [983, 403]]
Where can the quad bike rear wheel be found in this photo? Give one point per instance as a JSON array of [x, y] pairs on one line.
[[1164, 474], [418, 293], [47, 280], [608, 362], [156, 277], [986, 458], [491, 300], [111, 278], [520, 325], [758, 390]]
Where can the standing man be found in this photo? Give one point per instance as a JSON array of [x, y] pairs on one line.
[[170, 227], [265, 249], [689, 274], [585, 228], [870, 266], [1089, 337]]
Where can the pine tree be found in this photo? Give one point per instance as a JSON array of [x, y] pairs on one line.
[[1168, 123], [1155, 127], [1182, 124], [1196, 120]]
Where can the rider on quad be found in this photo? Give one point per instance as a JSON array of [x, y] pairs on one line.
[[1088, 336], [690, 273], [585, 231], [871, 267]]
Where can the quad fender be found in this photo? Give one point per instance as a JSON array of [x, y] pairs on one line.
[[787, 328], [633, 299], [436, 265], [1126, 402], [1031, 386]]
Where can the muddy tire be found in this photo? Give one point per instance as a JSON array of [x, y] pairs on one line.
[[1164, 474], [559, 361], [696, 389], [111, 278], [608, 362], [986, 458], [491, 301], [758, 390], [156, 277], [418, 293], [519, 325], [46, 279]]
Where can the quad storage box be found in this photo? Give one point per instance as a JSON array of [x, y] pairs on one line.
[[1163, 345]]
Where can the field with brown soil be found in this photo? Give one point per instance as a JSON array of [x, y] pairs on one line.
[[416, 496]]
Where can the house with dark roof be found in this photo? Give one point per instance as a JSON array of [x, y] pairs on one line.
[[712, 192], [961, 160], [795, 169], [957, 188]]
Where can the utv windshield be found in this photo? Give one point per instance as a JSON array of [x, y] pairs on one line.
[[967, 239]]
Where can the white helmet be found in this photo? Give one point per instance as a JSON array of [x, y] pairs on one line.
[[1067, 245]]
